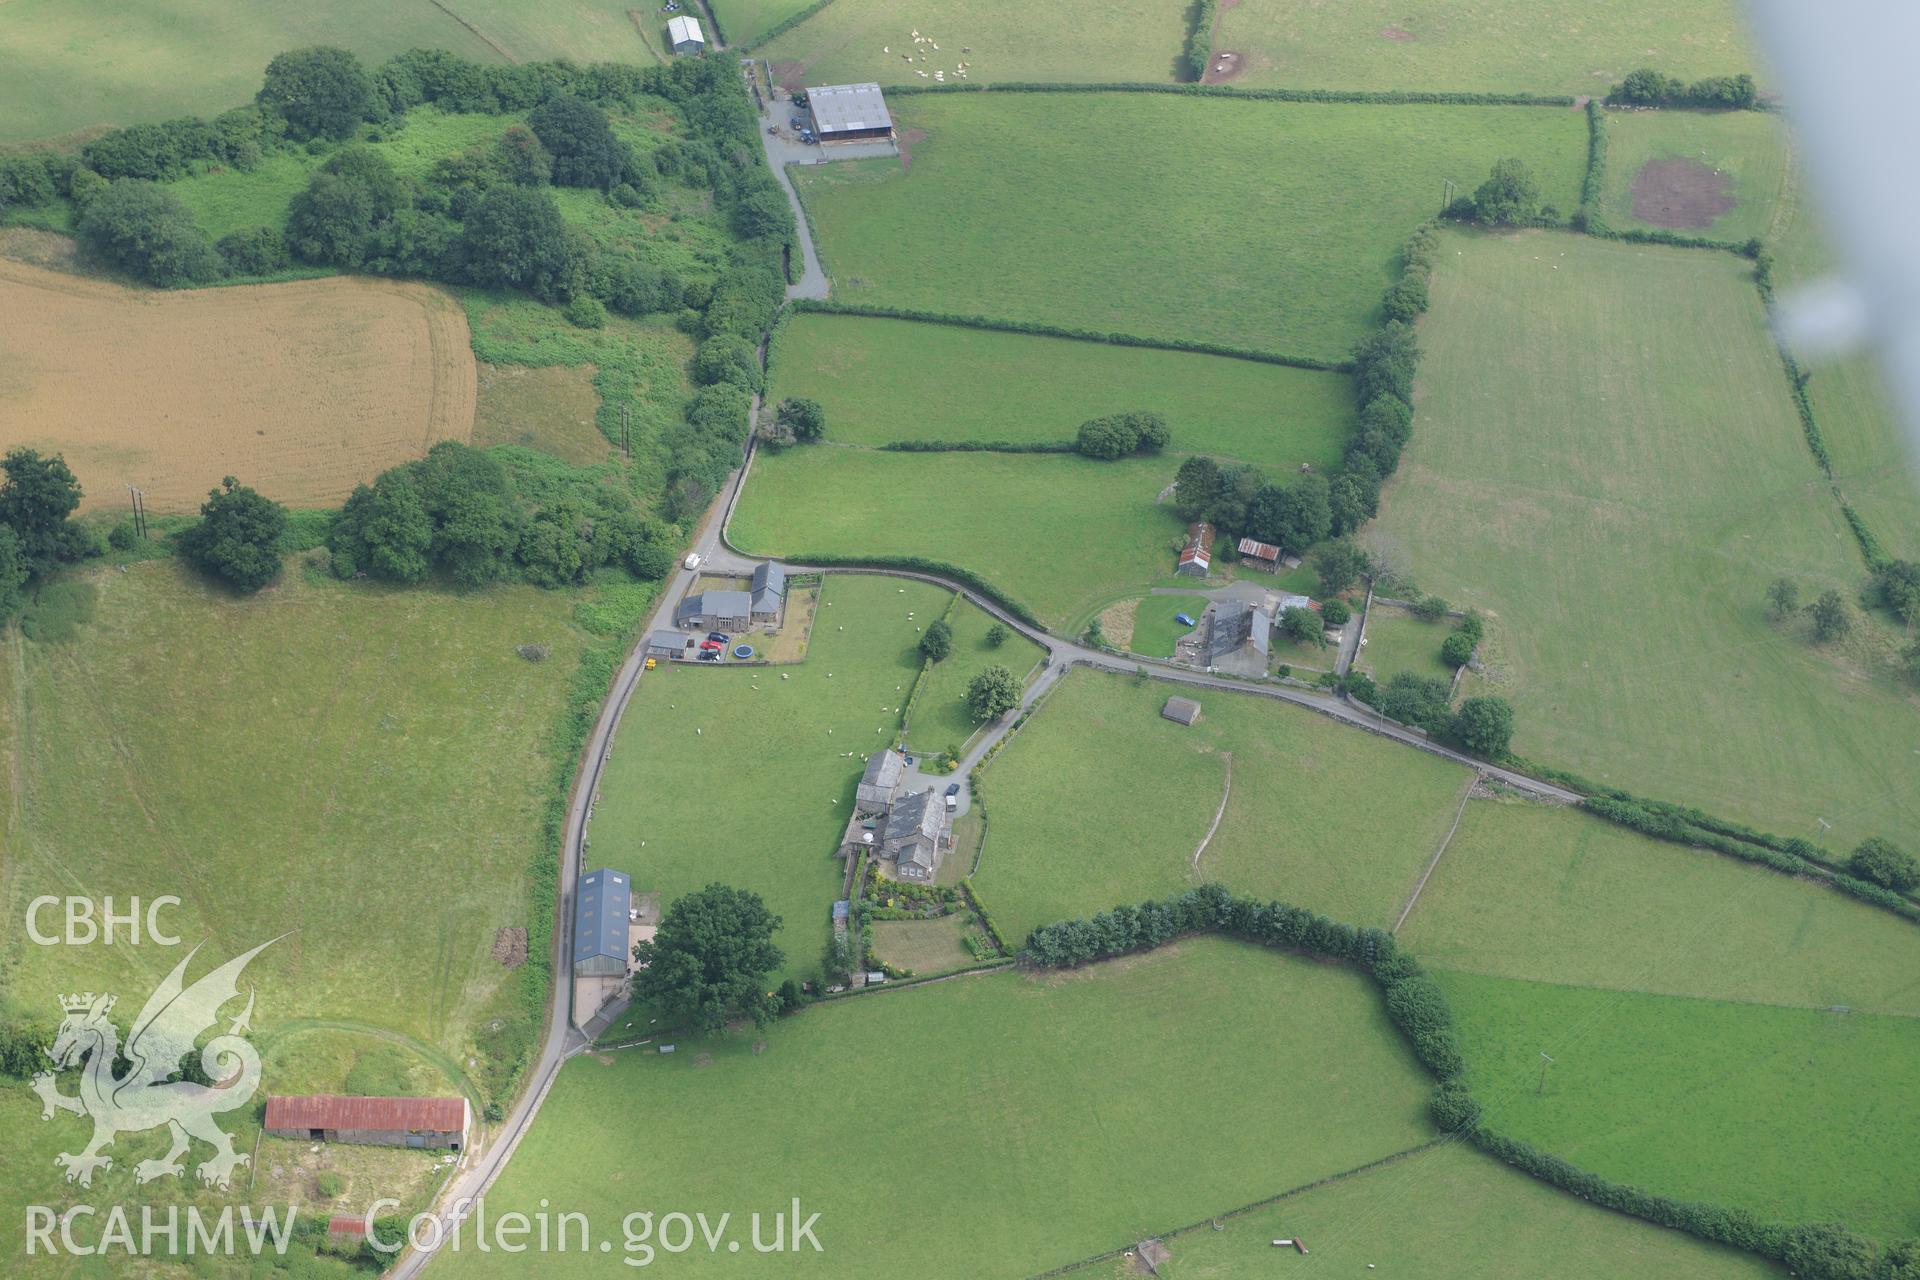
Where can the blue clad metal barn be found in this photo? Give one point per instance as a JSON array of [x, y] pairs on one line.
[[601, 903]]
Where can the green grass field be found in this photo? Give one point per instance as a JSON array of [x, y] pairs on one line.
[[1796, 1114], [77, 66], [1039, 1105], [758, 797], [229, 200], [744, 21], [1272, 225], [1099, 801], [940, 717], [258, 757], [1154, 630], [855, 40], [1398, 641], [1526, 891], [1496, 46], [1606, 457], [1446, 1214], [887, 380], [1057, 532], [1748, 148]]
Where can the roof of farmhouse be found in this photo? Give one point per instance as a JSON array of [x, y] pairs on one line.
[[684, 28], [840, 108]]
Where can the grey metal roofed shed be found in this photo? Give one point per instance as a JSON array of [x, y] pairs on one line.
[[843, 112], [602, 899]]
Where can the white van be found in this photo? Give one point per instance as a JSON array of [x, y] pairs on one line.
[[692, 561]]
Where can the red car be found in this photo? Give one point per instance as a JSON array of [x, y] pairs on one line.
[[712, 644]]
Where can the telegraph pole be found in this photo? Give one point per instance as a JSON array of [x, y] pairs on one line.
[[626, 433], [1545, 1062], [1446, 193], [138, 499]]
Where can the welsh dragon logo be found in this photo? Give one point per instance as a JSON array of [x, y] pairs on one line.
[[146, 1097]]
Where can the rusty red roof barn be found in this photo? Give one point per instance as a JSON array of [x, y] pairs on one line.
[[333, 1111]]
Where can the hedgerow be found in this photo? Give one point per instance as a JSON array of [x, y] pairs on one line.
[[1647, 87], [829, 307], [919, 564], [781, 28], [1419, 1010], [978, 446], [1369, 97], [1594, 183]]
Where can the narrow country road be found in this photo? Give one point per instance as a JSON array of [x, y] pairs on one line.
[[717, 554]]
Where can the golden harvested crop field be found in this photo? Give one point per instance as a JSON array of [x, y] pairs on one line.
[[302, 390]]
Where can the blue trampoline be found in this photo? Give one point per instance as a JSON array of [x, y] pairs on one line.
[[743, 651]]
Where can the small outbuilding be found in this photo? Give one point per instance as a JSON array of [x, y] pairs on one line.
[[602, 902], [715, 610], [434, 1123], [1181, 710], [850, 113], [676, 646], [1260, 555], [684, 35], [1196, 556]]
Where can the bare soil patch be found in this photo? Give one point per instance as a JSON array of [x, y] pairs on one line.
[[790, 74], [1680, 193], [302, 390], [907, 140], [553, 410], [1225, 66], [1397, 33], [510, 947]]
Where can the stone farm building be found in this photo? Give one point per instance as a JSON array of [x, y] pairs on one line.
[[1181, 710], [915, 826], [1196, 557], [684, 35], [603, 902], [849, 113], [439, 1123], [882, 775], [716, 611], [769, 591]]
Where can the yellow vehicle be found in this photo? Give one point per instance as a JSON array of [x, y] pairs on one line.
[[650, 662]]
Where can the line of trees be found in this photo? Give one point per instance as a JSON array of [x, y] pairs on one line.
[[1647, 87], [1122, 435]]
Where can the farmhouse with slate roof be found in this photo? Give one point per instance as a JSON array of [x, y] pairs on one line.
[[715, 610], [912, 837]]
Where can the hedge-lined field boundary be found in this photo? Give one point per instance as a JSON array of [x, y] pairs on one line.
[[826, 306], [782, 27], [1198, 55], [952, 573], [1379, 98], [1419, 1010]]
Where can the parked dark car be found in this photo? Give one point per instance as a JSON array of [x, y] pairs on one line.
[[721, 636], [710, 655], [953, 788]]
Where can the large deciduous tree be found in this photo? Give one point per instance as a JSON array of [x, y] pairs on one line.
[[1885, 864], [576, 134], [144, 229], [993, 693], [1484, 726], [1509, 197], [238, 537], [321, 92], [36, 498], [710, 959]]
